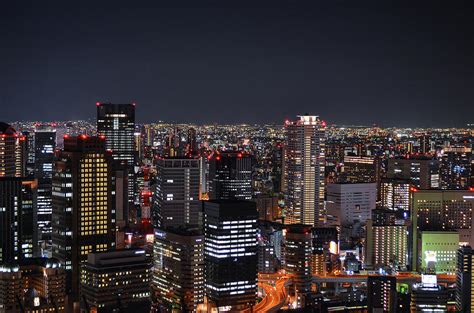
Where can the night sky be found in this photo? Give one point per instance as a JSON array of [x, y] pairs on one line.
[[351, 62]]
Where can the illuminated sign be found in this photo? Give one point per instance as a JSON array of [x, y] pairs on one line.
[[429, 280]]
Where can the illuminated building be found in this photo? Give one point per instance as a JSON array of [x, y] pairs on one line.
[[270, 238], [464, 282], [387, 245], [176, 200], [10, 288], [395, 194], [45, 283], [440, 210], [116, 281], [423, 172], [382, 294], [17, 231], [45, 144], [178, 272], [117, 123], [304, 170], [361, 169], [352, 202], [438, 252], [230, 176], [192, 146], [12, 152], [428, 296], [230, 230], [83, 215], [268, 207], [455, 167], [297, 261]]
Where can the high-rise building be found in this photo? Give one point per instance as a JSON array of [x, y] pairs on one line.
[[13, 153], [352, 202], [423, 172], [178, 272], [455, 167], [44, 283], [83, 214], [45, 145], [428, 296], [438, 252], [117, 123], [116, 281], [176, 201], [230, 176], [387, 245], [382, 294], [297, 261], [464, 283], [360, 169], [304, 170], [17, 227], [230, 250], [192, 146], [440, 210], [395, 194]]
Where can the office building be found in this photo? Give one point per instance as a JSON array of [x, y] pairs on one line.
[[13, 154], [360, 169], [428, 296], [297, 262], [178, 271], [83, 215], [464, 283], [304, 170], [45, 145], [353, 202], [438, 252], [10, 288], [230, 176], [270, 240], [422, 172], [116, 281], [230, 250], [44, 283], [17, 227], [440, 210], [387, 245], [382, 294], [455, 167], [395, 194], [117, 123], [176, 199]]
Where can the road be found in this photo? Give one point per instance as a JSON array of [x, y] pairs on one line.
[[275, 297]]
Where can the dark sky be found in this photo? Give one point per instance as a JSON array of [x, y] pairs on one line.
[[350, 62]]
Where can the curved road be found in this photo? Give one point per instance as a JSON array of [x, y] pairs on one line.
[[275, 297]]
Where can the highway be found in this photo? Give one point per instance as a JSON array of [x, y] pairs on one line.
[[275, 296]]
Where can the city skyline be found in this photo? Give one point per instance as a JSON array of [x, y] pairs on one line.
[[378, 64]]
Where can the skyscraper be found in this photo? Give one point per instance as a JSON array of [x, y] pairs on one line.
[[382, 294], [395, 193], [423, 172], [17, 203], [464, 285], [304, 170], [117, 123], [176, 200], [178, 273], [297, 255], [45, 144], [230, 250], [83, 214], [230, 176], [455, 167], [12, 152]]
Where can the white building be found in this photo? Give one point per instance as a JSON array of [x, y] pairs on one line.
[[352, 202]]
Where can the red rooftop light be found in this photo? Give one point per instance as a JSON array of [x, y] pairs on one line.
[[66, 136], [97, 103], [102, 137], [83, 136]]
